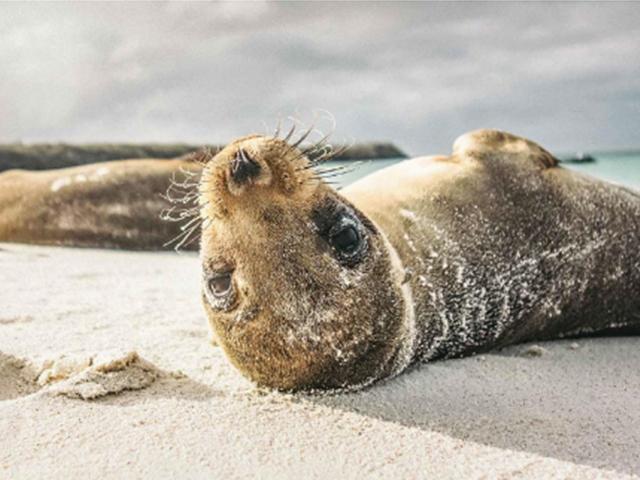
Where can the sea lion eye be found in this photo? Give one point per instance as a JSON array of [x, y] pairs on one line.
[[346, 240], [219, 290], [220, 284], [343, 230]]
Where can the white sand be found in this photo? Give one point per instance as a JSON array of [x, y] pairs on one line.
[[75, 403]]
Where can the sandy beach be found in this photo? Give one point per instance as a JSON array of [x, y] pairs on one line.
[[106, 372]]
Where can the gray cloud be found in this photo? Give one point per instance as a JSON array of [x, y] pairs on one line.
[[567, 75]]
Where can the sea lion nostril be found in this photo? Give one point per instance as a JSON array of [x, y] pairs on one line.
[[243, 167]]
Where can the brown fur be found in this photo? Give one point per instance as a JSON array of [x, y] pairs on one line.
[[112, 204], [497, 244]]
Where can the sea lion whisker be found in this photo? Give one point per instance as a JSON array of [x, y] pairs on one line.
[[184, 216], [324, 138], [308, 167], [327, 152], [303, 137], [323, 157], [183, 196], [291, 131], [328, 155], [186, 231], [193, 239], [336, 171], [335, 174], [169, 216], [175, 181], [333, 153], [189, 173], [190, 223], [177, 201], [184, 200], [165, 215], [184, 239], [341, 150], [174, 189], [276, 132], [320, 152], [319, 144], [179, 210], [317, 179], [180, 190], [177, 238], [177, 216], [184, 186]]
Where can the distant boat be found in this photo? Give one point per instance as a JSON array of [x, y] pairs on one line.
[[580, 157]]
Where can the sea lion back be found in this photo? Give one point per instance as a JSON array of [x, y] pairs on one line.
[[501, 245]]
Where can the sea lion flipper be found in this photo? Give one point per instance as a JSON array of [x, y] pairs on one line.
[[488, 145]]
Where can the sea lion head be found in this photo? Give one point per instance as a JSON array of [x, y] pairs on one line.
[[299, 286]]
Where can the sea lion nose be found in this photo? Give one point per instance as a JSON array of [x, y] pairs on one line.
[[244, 168]]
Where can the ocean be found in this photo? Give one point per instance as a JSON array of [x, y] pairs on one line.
[[615, 167]]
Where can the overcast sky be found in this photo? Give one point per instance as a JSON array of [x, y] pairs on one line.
[[566, 75]]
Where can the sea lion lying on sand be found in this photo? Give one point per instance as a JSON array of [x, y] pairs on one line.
[[435, 257], [112, 204]]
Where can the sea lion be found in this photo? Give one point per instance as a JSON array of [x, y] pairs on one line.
[[115, 204], [436, 257]]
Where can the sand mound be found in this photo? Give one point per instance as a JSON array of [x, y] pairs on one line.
[[17, 377], [86, 378], [96, 377]]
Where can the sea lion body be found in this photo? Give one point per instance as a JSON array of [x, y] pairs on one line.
[[503, 246], [436, 257], [112, 204]]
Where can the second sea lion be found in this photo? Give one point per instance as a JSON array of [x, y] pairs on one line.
[[116, 204]]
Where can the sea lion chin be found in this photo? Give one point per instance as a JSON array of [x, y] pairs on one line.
[[435, 257]]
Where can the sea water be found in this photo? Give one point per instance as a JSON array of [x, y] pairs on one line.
[[618, 168]]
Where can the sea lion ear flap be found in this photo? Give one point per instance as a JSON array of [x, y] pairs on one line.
[[496, 146]]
